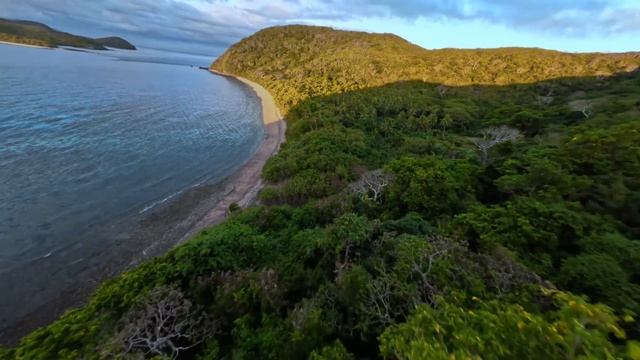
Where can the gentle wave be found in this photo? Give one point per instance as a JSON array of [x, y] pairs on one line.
[[156, 203], [89, 146]]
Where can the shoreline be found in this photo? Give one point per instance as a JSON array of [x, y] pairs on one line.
[[25, 45], [248, 179], [168, 226]]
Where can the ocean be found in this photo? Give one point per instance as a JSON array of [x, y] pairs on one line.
[[94, 143]]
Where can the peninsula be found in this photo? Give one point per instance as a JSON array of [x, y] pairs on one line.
[[36, 34]]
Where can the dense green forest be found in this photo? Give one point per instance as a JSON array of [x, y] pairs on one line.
[[299, 62], [34, 33], [457, 211]]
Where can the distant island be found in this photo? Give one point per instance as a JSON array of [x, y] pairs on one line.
[[37, 34], [116, 43]]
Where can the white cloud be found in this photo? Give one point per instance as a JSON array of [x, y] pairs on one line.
[[209, 26]]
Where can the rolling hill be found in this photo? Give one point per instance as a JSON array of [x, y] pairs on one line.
[[297, 62], [34, 33], [115, 42]]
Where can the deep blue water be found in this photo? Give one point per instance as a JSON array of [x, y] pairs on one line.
[[89, 139]]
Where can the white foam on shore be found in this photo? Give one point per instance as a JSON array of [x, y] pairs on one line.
[[156, 203]]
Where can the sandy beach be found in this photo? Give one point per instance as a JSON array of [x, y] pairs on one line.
[[24, 45], [168, 226], [247, 181]]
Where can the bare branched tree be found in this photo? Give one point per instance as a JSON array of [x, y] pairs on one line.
[[505, 274], [587, 110], [546, 96], [544, 100], [343, 263], [306, 312], [442, 90], [379, 305], [271, 293], [164, 325], [546, 88], [423, 262], [493, 136], [371, 185], [301, 314]]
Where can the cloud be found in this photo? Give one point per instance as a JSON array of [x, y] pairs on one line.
[[168, 24], [566, 17], [209, 26], [622, 20]]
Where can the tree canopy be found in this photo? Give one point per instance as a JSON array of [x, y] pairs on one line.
[[385, 231]]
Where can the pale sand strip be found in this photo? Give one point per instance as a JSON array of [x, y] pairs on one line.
[[24, 45], [247, 181]]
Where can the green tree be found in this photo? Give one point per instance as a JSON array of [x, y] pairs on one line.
[[495, 330], [601, 277], [431, 186], [337, 351]]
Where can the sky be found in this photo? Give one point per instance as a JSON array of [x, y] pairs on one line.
[[208, 27]]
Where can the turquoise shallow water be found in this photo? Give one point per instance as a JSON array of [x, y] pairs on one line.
[[87, 140]]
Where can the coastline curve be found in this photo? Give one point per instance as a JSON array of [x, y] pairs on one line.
[[247, 181], [195, 210]]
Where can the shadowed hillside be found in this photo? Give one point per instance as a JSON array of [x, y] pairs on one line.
[[116, 43]]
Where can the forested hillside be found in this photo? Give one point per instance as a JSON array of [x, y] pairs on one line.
[[297, 62], [34, 33], [423, 207]]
